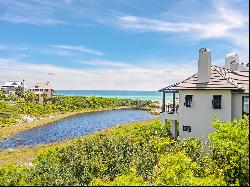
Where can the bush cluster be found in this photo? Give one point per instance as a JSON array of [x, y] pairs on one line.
[[142, 154]]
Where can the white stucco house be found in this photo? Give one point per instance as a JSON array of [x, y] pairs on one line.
[[41, 89], [10, 87], [214, 91]]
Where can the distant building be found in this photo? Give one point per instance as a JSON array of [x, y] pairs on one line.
[[10, 87], [213, 91], [41, 89], [12, 84]]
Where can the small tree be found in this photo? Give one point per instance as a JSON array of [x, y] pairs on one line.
[[1, 94], [45, 98], [30, 96], [20, 91]]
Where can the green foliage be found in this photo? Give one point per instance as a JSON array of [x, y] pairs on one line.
[[1, 94], [229, 149], [178, 169], [30, 96], [11, 175], [19, 91], [142, 154], [130, 179], [13, 97]]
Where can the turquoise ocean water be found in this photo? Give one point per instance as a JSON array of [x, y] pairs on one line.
[[145, 95]]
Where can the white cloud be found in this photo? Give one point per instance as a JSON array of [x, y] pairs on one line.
[[103, 63], [112, 77], [3, 47], [80, 49], [32, 12], [11, 48], [224, 21], [152, 25], [31, 20]]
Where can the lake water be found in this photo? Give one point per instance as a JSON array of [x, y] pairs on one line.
[[75, 126], [145, 95]]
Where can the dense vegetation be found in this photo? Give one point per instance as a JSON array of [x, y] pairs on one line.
[[142, 154], [10, 114]]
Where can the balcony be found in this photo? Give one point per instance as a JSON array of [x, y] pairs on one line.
[[171, 113]]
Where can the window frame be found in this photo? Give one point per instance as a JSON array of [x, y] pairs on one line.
[[243, 105], [220, 101], [188, 101], [188, 128]]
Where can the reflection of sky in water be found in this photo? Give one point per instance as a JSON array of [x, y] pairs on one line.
[[75, 126]]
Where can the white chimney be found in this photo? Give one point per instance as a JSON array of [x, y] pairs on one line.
[[204, 66], [232, 62]]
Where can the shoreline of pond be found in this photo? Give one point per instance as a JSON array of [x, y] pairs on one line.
[[9, 131], [75, 125]]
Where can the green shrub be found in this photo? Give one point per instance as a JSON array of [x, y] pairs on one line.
[[229, 149], [12, 175], [177, 169], [142, 154]]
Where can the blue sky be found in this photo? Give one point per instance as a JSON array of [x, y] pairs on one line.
[[110, 44]]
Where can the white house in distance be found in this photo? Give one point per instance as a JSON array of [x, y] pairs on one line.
[[41, 89], [10, 87], [213, 91]]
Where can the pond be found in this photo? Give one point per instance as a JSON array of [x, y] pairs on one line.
[[74, 126]]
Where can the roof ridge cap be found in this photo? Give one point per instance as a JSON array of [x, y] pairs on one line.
[[229, 79], [221, 67]]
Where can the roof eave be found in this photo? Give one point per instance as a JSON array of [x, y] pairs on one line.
[[195, 88]]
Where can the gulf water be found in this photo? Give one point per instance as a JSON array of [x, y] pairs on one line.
[[121, 94]]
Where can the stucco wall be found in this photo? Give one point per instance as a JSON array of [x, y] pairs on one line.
[[200, 115], [237, 105]]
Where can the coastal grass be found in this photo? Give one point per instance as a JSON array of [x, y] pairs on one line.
[[137, 154], [12, 116], [26, 155], [17, 112]]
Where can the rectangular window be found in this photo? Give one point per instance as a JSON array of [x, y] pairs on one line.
[[245, 105], [187, 128], [188, 100], [216, 102], [46, 90]]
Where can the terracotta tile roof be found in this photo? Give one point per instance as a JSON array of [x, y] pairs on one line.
[[221, 79]]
